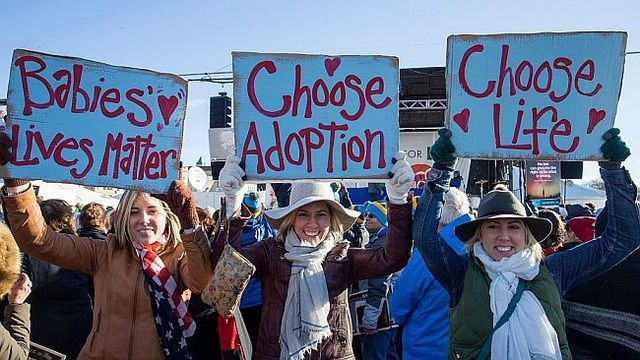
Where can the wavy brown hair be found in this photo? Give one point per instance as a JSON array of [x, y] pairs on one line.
[[94, 215]]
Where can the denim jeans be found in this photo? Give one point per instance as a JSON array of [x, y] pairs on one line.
[[379, 346]]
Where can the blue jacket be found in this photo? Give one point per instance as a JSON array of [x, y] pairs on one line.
[[419, 303], [256, 229], [568, 269]]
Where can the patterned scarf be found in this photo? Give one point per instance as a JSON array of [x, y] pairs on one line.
[[173, 321]]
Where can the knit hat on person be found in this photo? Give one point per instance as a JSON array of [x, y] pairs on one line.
[[583, 227], [252, 201], [378, 210]]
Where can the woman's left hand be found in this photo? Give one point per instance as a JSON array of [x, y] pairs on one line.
[[402, 177]]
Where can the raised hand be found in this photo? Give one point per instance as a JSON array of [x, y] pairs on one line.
[[402, 177]]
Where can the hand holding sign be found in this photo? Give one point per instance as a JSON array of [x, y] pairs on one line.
[[402, 177], [231, 181], [442, 150]]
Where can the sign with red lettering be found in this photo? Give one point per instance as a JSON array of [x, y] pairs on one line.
[[315, 116], [79, 121], [542, 96]]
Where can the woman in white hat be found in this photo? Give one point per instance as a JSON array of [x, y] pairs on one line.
[[307, 269], [505, 297]]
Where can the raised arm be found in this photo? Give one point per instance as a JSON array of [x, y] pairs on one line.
[[394, 255], [441, 260], [622, 232], [34, 237]]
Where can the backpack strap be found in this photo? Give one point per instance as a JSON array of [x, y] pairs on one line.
[[485, 351]]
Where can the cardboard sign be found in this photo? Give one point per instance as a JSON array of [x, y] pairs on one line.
[[543, 182], [315, 116], [544, 96], [84, 122]]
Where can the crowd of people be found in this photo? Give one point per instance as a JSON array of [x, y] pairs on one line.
[[332, 279]]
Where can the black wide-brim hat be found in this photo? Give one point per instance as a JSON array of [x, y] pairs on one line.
[[500, 204]]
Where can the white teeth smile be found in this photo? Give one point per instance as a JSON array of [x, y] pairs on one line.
[[311, 233], [503, 248]]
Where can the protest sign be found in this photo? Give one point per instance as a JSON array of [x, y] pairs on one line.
[[544, 96], [315, 116], [79, 121], [543, 182]]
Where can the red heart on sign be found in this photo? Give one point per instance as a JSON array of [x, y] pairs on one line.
[[595, 116], [462, 119], [331, 65], [167, 107]]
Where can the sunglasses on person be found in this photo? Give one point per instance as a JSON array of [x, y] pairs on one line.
[[369, 215]]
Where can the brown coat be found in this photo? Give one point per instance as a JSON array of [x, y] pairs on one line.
[[123, 325], [342, 267]]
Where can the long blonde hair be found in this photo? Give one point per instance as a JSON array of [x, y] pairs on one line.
[[335, 226], [529, 240], [123, 213]]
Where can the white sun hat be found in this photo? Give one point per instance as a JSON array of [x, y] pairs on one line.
[[303, 193]]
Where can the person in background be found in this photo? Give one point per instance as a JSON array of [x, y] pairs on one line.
[[556, 238], [15, 329], [603, 314], [419, 302], [457, 180], [94, 221], [204, 344], [505, 264], [255, 229], [578, 230], [61, 305], [357, 235], [377, 344]]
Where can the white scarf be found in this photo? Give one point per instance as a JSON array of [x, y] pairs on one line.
[[304, 320], [528, 334]]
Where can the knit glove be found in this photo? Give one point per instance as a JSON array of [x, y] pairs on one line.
[[182, 203], [614, 149], [442, 150], [6, 156], [401, 178], [231, 181]]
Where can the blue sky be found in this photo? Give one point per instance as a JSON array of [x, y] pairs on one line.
[[198, 36]]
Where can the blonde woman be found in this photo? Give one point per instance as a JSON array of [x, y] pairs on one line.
[[504, 297], [307, 269], [139, 272]]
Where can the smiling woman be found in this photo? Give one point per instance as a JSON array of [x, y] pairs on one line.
[[139, 272], [308, 268], [503, 278]]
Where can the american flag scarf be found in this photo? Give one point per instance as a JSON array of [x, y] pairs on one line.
[[173, 321]]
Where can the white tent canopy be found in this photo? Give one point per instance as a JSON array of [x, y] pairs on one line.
[[73, 194], [579, 194]]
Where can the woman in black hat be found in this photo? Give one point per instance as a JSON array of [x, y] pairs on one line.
[[504, 295]]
